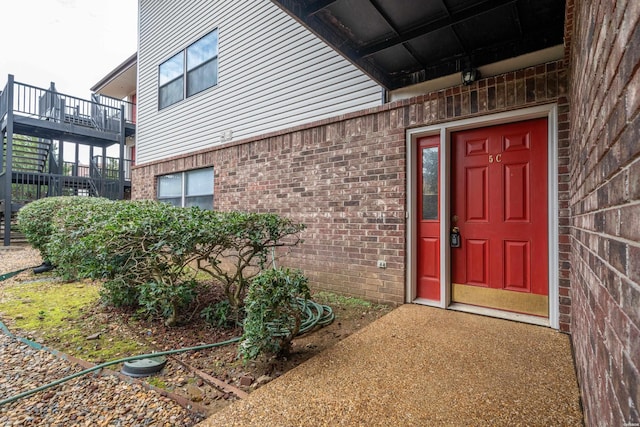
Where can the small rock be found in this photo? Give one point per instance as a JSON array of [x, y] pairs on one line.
[[94, 336], [199, 383], [246, 380], [194, 392]]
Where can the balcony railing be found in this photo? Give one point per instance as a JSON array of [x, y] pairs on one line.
[[109, 168], [30, 186], [129, 107], [101, 113]]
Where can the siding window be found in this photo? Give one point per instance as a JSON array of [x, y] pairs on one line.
[[172, 81], [200, 71], [202, 64], [186, 189]]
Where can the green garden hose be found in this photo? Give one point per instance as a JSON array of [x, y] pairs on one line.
[[45, 266], [13, 273], [314, 314]]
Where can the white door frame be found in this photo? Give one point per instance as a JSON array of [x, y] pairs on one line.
[[550, 111]]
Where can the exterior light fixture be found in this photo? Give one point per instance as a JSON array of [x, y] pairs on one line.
[[470, 75]]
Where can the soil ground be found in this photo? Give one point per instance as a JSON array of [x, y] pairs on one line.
[[180, 375]]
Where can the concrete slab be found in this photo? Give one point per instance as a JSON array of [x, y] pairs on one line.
[[422, 366]]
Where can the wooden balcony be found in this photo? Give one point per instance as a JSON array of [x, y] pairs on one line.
[[47, 114], [35, 123]]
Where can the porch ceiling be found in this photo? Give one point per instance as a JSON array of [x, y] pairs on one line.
[[403, 42], [121, 82]]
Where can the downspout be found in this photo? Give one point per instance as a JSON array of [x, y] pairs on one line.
[[8, 177]]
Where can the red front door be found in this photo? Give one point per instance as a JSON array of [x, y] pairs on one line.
[[429, 218], [499, 202]]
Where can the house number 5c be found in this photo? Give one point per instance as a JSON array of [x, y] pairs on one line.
[[497, 158]]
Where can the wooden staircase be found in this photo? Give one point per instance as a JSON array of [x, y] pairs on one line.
[[17, 238], [30, 154]]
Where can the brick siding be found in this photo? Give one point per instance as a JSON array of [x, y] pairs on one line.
[[605, 206], [345, 178]]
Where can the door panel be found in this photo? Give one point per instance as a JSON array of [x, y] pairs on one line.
[[476, 200], [516, 264], [499, 198], [430, 249], [516, 192], [428, 270], [478, 262]]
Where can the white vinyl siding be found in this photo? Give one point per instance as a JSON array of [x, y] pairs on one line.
[[272, 74]]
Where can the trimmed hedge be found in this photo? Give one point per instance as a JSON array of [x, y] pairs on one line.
[[37, 219], [144, 250]]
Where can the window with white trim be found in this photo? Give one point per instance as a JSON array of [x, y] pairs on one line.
[[186, 189], [189, 72]]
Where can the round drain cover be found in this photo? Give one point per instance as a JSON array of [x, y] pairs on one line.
[[144, 367]]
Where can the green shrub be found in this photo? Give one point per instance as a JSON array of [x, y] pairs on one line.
[[273, 312], [234, 247], [219, 314], [147, 246], [142, 249], [71, 247], [165, 299], [37, 220], [120, 293]]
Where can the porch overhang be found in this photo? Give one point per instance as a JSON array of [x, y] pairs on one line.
[[121, 81], [399, 43]]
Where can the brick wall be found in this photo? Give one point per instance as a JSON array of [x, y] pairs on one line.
[[605, 205], [345, 178]]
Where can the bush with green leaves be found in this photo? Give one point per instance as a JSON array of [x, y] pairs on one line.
[[144, 250], [165, 299], [37, 220], [219, 314], [235, 246], [273, 312], [148, 246], [70, 247]]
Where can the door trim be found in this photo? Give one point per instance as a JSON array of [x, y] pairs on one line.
[[550, 111]]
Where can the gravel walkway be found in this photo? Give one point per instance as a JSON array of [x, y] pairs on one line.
[[14, 258], [90, 400]]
